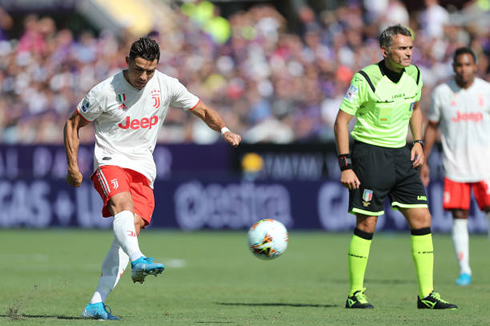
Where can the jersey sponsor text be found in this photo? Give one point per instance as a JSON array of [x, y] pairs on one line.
[[477, 117], [139, 123]]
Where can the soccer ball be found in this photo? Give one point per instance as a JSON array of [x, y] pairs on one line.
[[268, 239]]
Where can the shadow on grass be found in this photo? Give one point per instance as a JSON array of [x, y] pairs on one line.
[[278, 304], [20, 317]]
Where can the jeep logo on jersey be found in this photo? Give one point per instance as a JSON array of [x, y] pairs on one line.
[[477, 116], [155, 95], [139, 123]]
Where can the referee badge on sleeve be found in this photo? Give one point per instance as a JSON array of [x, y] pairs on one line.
[[367, 196], [351, 93]]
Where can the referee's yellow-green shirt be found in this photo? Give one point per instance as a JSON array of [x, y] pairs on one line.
[[382, 108]]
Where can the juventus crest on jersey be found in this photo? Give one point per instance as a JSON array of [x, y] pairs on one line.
[[127, 120]]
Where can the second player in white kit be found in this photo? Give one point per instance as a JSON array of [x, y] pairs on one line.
[[461, 109]]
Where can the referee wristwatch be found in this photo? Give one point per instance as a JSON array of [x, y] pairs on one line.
[[420, 141], [345, 162]]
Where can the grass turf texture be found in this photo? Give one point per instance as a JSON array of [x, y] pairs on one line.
[[48, 276]]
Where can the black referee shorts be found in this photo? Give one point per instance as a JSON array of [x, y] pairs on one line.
[[384, 171]]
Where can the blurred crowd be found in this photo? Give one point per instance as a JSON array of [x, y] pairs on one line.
[[269, 83]]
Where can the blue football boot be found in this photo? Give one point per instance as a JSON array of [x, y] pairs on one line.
[[98, 311], [144, 266], [463, 279]]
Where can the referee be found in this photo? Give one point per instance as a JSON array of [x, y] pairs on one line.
[[384, 98]]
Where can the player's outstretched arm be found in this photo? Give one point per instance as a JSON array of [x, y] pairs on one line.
[[215, 122], [72, 142]]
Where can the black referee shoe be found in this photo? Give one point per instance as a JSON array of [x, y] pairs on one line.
[[434, 301], [358, 300]]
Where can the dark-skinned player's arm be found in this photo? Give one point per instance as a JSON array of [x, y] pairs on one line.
[[429, 140]]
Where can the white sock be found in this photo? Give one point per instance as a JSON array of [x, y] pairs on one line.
[[113, 267], [125, 233], [461, 244]]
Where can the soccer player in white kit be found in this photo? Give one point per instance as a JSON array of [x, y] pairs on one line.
[[128, 110], [461, 108]]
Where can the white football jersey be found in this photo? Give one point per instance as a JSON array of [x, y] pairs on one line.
[[464, 119], [127, 120]]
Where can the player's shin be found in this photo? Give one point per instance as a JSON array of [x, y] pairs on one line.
[[113, 268], [423, 257], [125, 233], [460, 239], [358, 258]]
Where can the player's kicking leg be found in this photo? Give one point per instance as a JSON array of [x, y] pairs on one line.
[[121, 202], [144, 266], [125, 232]]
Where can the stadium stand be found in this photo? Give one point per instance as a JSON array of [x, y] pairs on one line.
[[271, 83]]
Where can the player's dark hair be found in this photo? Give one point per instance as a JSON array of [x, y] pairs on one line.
[[145, 48], [464, 50], [386, 37]]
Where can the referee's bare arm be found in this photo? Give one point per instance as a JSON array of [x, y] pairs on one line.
[[417, 156], [348, 178]]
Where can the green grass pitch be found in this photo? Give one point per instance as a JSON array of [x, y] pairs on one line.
[[47, 277]]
